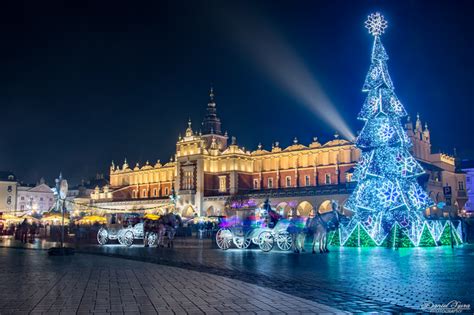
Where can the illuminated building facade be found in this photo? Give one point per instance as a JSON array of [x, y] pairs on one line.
[[8, 186], [207, 172], [37, 198], [468, 168]]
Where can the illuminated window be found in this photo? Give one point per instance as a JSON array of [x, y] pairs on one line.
[[288, 181], [307, 181], [222, 184], [327, 179], [348, 177], [188, 182], [255, 184], [270, 183]]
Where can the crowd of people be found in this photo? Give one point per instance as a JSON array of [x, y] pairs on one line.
[[24, 231], [204, 229]]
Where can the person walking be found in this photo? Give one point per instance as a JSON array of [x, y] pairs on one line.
[[146, 232], [33, 229], [24, 231]]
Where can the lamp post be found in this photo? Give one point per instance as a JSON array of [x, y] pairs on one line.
[[60, 192], [174, 198]]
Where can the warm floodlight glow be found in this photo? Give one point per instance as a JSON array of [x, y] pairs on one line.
[[282, 64]]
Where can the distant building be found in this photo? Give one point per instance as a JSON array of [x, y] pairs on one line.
[[37, 198], [8, 185], [79, 196], [441, 169], [468, 168]]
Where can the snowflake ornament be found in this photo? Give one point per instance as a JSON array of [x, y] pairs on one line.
[[374, 104], [418, 196], [406, 164], [388, 193], [396, 104], [376, 24], [374, 74], [386, 132]]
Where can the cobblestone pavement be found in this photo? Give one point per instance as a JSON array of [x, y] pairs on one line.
[[351, 279], [31, 282]]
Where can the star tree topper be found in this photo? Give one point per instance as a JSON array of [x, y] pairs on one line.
[[376, 24]]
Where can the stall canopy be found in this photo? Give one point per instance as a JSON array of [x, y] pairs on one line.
[[90, 219]]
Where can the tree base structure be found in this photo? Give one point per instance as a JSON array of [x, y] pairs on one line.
[[429, 233]]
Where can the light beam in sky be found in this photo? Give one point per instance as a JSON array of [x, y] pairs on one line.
[[282, 64]]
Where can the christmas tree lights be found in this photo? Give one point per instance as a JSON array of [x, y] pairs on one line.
[[387, 201]]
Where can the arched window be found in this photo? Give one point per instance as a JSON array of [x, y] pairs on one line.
[[327, 179], [166, 191], [288, 181], [144, 193], [255, 183], [155, 192], [270, 183]]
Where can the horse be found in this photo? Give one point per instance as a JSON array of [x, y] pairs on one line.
[[321, 224], [297, 229], [272, 217], [167, 225]]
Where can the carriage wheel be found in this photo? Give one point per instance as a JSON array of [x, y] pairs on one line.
[[223, 238], [152, 238], [266, 241], [102, 236], [242, 242], [284, 241], [127, 238]]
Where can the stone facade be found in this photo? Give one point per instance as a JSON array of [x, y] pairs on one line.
[[441, 170], [207, 172], [468, 168], [8, 186], [38, 198]]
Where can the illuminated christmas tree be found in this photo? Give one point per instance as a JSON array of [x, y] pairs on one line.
[[387, 190]]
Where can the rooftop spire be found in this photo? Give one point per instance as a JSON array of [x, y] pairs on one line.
[[418, 123], [211, 94], [211, 123], [189, 130]]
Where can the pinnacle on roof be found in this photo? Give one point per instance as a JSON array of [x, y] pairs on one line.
[[211, 123]]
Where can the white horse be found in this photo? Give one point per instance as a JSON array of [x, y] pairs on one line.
[[321, 224]]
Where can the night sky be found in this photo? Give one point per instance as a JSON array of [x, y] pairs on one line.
[[86, 83]]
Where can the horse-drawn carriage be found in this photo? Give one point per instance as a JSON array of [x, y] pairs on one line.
[[261, 226], [265, 228], [264, 237], [124, 235], [127, 227]]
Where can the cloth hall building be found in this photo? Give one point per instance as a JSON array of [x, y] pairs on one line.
[[211, 174]]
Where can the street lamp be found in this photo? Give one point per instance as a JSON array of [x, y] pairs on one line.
[[174, 198], [60, 192]]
